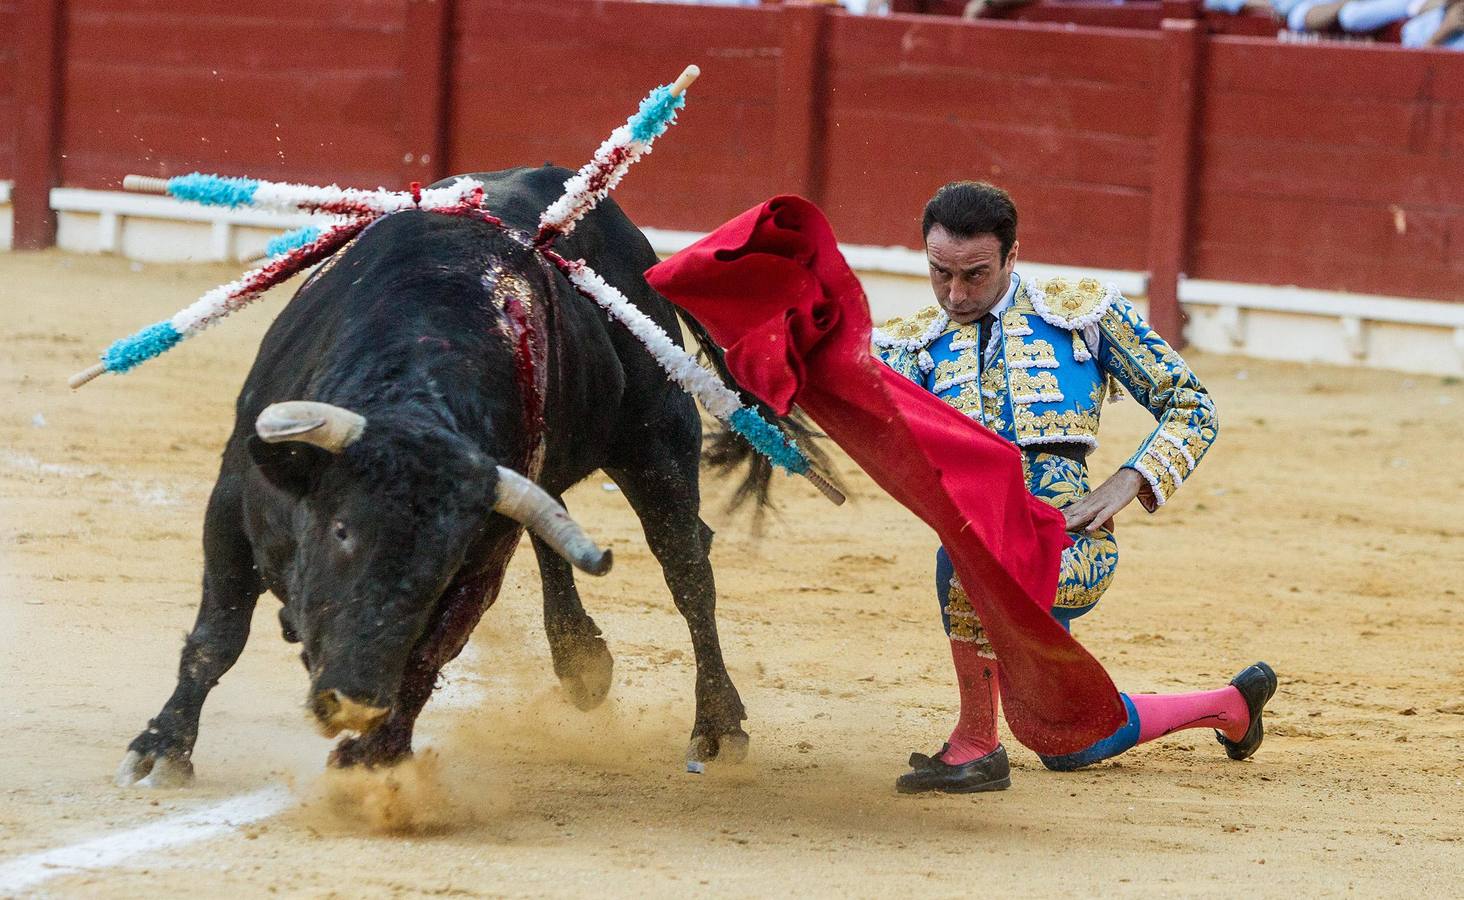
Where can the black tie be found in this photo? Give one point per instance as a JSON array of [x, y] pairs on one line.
[[983, 337]]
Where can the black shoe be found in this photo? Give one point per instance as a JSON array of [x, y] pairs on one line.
[[988, 773], [921, 761], [1256, 684]]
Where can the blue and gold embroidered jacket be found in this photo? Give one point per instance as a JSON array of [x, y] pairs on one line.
[[1056, 349]]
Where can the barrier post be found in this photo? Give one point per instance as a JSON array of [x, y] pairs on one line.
[[1176, 159], [801, 101], [38, 76], [426, 75]]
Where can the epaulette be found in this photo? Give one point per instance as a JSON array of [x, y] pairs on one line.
[[912, 333], [1071, 305]]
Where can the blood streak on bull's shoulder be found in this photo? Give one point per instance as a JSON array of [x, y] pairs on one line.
[[523, 324]]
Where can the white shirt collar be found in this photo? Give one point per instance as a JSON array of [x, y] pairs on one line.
[[1008, 298]]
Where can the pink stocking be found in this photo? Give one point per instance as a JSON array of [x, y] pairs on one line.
[[1160, 714], [975, 734]]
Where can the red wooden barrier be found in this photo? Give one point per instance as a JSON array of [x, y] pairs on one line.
[[1172, 203], [537, 82], [37, 92], [1336, 167], [426, 52], [1162, 150], [297, 90], [9, 115], [1061, 117]]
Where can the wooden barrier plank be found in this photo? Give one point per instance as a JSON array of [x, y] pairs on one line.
[[1323, 173], [255, 92], [720, 159], [1336, 230], [9, 114], [802, 110], [365, 100], [919, 91], [1454, 128], [1262, 267], [1330, 245], [1058, 117], [1313, 71], [879, 144], [296, 15], [39, 63], [281, 45], [1334, 167], [423, 58], [154, 145], [1060, 223], [1333, 122], [1114, 56]]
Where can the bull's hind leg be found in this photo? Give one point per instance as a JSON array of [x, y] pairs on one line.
[[581, 659], [665, 496], [161, 755]]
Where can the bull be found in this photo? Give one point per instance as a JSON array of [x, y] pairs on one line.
[[428, 394]]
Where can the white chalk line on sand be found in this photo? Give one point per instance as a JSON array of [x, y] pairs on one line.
[[103, 852], [174, 831], [145, 491]]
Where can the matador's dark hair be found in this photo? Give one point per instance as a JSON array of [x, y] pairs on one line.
[[969, 208]]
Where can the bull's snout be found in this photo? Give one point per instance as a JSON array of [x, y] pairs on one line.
[[335, 712]]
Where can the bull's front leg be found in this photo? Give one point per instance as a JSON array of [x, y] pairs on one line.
[[161, 756], [462, 605], [582, 662]]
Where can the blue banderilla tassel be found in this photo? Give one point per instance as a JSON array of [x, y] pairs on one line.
[[213, 190], [657, 113], [768, 440], [129, 352], [292, 240]]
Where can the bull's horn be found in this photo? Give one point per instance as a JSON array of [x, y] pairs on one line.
[[327, 427], [527, 503]]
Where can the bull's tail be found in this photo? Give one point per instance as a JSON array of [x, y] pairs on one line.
[[726, 450]]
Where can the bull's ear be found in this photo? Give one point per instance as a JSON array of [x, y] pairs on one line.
[[291, 466]]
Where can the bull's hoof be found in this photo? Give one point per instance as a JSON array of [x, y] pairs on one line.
[[370, 750], [730, 747], [586, 671], [147, 770], [733, 747]]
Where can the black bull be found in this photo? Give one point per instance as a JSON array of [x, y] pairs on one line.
[[443, 349]]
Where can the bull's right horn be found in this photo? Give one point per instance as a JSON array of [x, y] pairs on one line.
[[328, 427], [527, 503]]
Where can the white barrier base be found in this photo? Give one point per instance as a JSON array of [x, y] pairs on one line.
[[7, 218], [1263, 321]]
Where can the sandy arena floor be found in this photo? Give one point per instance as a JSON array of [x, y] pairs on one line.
[[1322, 534]]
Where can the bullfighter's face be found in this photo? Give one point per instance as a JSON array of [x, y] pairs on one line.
[[967, 274]]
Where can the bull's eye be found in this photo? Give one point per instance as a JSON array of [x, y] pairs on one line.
[[339, 528]]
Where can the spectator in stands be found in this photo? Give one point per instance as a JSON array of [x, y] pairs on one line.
[[1352, 16], [1236, 7], [1439, 23], [1429, 23], [976, 9], [857, 7]]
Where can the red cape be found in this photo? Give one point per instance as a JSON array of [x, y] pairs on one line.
[[773, 289]]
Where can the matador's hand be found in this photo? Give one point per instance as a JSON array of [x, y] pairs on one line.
[[1098, 508]]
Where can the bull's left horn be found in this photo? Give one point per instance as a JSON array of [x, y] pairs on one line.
[[328, 427], [527, 503]]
